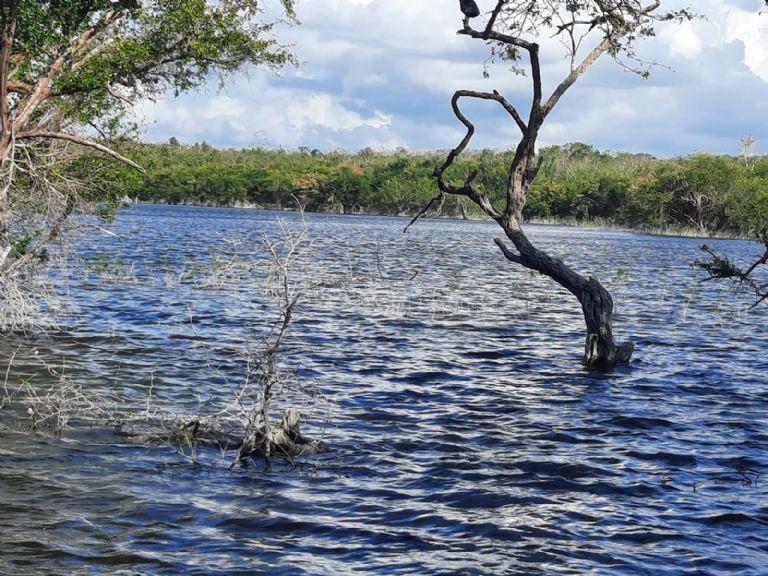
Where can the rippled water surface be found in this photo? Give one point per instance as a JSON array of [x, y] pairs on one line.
[[464, 436]]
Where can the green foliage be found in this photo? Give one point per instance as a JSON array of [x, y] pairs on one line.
[[748, 209], [99, 53], [25, 244], [21, 245], [576, 182], [72, 68], [622, 23]]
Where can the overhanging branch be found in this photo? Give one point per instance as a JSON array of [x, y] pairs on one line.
[[42, 134]]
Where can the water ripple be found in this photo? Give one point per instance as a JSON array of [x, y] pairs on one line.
[[466, 438]]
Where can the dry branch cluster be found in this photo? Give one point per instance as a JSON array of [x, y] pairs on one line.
[[54, 405], [721, 267], [43, 200], [70, 72], [246, 424]]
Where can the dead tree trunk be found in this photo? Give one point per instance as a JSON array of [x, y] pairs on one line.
[[620, 24], [600, 349]]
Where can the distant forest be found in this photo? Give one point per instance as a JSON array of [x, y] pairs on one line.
[[705, 193]]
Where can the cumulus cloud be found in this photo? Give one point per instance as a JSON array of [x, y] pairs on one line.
[[752, 32], [321, 110], [724, 22], [258, 113], [684, 40]]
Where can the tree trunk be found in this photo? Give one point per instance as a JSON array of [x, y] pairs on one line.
[[600, 350], [5, 185]]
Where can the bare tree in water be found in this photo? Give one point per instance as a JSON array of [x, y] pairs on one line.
[[587, 30]]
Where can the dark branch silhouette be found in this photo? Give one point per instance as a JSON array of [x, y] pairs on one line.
[[723, 268], [615, 26]]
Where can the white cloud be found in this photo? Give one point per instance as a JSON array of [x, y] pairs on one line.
[[257, 113], [383, 27], [684, 40], [321, 110], [752, 31], [443, 76], [610, 115], [380, 73], [224, 108], [725, 22]]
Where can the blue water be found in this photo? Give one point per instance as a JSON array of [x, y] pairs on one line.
[[464, 436]]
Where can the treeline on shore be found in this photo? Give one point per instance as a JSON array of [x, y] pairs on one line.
[[712, 194]]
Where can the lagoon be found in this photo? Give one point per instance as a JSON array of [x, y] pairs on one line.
[[464, 436]]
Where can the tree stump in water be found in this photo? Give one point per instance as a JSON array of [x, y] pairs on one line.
[[600, 350], [285, 441]]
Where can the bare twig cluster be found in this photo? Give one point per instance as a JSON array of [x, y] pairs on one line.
[[246, 423], [263, 368], [43, 198], [54, 403]]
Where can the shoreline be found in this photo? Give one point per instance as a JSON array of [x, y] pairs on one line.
[[567, 223]]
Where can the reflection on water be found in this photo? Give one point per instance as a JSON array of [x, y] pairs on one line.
[[466, 437]]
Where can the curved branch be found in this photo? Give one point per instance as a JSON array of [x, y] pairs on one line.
[[498, 37], [453, 154], [511, 110], [43, 134], [467, 189], [511, 256]]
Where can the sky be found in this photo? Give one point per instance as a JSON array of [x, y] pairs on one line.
[[381, 73]]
